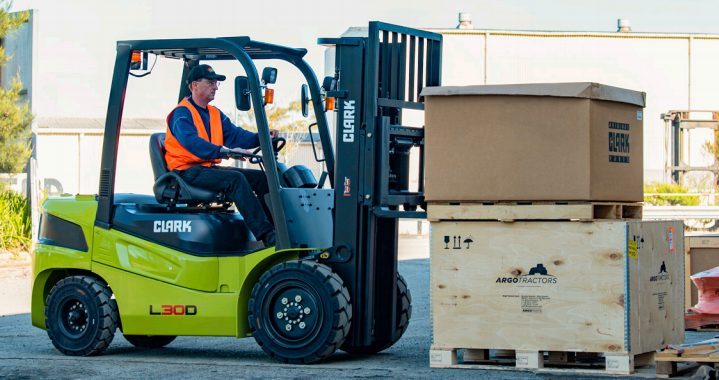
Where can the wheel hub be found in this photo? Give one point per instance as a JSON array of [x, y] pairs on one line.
[[295, 314], [75, 317]]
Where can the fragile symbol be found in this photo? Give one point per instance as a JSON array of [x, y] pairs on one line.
[[457, 242]]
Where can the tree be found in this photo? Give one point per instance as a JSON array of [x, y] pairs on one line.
[[15, 118], [288, 120]]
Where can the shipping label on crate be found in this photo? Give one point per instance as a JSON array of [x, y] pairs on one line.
[[531, 292]]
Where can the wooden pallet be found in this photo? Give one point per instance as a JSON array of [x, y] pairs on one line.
[[539, 361], [511, 211], [669, 359]]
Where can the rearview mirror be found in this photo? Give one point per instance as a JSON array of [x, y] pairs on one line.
[[304, 100], [269, 75], [242, 93], [329, 84]]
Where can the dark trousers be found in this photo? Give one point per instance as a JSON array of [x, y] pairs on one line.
[[240, 187]]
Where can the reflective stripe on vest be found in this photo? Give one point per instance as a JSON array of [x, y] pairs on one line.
[[176, 156]]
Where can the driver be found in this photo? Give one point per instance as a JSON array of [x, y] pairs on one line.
[[199, 136]]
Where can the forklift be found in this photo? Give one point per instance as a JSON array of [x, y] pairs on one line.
[[183, 262]]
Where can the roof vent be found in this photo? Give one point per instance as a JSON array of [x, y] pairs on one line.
[[624, 26], [465, 21]]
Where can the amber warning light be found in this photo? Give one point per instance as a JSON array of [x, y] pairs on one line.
[[329, 104], [269, 96]]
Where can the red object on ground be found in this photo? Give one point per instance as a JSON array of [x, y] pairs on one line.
[[707, 283], [706, 311]]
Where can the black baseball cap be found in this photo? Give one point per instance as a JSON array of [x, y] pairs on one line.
[[203, 71]]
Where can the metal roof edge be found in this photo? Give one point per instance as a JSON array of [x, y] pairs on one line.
[[540, 33]]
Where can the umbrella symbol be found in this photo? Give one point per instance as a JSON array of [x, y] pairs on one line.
[[468, 240]]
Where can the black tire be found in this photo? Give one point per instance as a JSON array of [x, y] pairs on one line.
[[404, 313], [297, 294], [81, 316], [150, 341]]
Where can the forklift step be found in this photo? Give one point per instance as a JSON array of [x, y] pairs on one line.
[[544, 210]]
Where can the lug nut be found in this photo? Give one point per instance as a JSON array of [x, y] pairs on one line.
[[285, 300], [280, 315], [298, 298], [302, 325], [288, 327], [307, 310]]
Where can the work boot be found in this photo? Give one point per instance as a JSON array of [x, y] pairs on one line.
[[269, 239]]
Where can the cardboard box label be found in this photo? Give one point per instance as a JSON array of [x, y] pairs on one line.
[[618, 142]]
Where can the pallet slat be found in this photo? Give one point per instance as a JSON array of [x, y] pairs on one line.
[[534, 211], [554, 361], [702, 352]]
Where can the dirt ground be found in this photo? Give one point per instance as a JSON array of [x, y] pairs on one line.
[[15, 278]]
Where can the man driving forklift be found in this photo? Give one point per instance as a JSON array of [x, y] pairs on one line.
[[199, 136]]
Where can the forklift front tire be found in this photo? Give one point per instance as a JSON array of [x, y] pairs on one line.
[[150, 341], [81, 316], [300, 312]]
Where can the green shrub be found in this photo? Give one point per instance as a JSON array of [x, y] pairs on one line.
[[15, 224], [668, 200]]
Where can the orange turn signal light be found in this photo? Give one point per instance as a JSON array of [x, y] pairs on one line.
[[329, 104], [269, 96], [136, 56]]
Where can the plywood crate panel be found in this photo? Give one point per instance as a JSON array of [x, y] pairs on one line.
[[702, 253], [613, 287]]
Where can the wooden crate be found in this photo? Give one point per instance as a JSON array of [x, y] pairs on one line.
[[511, 211], [702, 253], [611, 287]]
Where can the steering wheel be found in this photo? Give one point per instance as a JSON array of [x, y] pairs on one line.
[[277, 144]]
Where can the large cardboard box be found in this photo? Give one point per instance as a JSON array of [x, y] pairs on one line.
[[614, 287], [526, 142]]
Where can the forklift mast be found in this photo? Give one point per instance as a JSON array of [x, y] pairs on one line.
[[378, 77]]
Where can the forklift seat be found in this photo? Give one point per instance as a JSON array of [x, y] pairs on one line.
[[169, 187]]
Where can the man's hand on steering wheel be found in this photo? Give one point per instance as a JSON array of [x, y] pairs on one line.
[[274, 133], [236, 153]]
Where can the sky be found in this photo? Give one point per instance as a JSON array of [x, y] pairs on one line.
[[77, 37]]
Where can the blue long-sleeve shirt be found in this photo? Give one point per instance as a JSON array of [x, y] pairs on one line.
[[183, 128]]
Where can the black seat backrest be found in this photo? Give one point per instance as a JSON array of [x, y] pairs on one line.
[[157, 154], [169, 187]]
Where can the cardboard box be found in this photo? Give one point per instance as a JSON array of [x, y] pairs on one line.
[[526, 142], [702, 253], [614, 287]]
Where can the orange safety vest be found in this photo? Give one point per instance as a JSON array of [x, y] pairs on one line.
[[176, 156]]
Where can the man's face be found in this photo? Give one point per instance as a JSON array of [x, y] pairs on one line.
[[204, 89]]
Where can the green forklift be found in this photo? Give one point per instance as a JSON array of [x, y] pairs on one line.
[[182, 262]]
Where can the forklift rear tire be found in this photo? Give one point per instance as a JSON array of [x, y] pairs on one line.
[[300, 312], [81, 316], [404, 313], [150, 341]]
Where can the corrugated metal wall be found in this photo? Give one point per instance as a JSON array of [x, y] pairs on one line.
[[78, 169]]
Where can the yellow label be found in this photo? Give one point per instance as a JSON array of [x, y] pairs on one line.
[[632, 248]]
